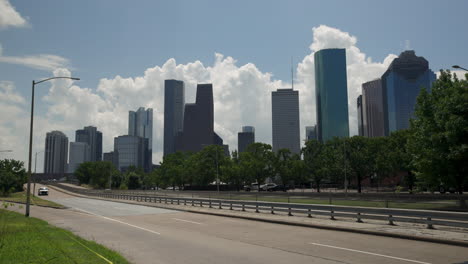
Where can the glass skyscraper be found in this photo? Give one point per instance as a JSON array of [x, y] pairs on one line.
[[140, 123], [372, 109], [401, 83], [174, 101], [331, 94], [285, 120], [56, 152]]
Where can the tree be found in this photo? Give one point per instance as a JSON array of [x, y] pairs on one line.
[[439, 138], [97, 174], [12, 176], [360, 158], [282, 165], [257, 162], [313, 161]]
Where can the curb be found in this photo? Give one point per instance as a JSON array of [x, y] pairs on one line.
[[282, 222], [48, 206]]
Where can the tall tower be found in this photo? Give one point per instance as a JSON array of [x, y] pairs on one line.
[[91, 136], [373, 109], [331, 94], [401, 83], [245, 138], [140, 124], [174, 101], [360, 116], [56, 152], [285, 120]]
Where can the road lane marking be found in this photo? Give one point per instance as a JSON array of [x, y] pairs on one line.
[[187, 221], [370, 253], [118, 221], [99, 255]]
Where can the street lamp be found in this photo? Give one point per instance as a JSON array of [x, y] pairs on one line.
[[458, 67], [35, 167], [28, 193]]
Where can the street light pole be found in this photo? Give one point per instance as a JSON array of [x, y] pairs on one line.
[[35, 167], [458, 67], [28, 190], [217, 169]]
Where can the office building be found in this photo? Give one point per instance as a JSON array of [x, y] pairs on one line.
[[285, 120], [174, 101], [140, 124], [198, 128], [56, 152], [91, 136], [130, 151], [360, 116], [110, 157], [372, 109], [401, 83], [79, 152], [311, 133], [331, 93], [245, 138]]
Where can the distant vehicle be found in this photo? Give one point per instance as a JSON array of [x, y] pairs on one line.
[[252, 187], [43, 191], [176, 188], [282, 188], [267, 187]]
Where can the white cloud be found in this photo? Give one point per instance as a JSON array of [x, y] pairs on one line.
[[242, 95], [45, 62], [9, 17]]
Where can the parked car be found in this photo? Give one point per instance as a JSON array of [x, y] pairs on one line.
[[276, 188], [267, 187], [251, 187], [43, 191]]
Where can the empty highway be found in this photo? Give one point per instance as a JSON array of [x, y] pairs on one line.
[[152, 235]]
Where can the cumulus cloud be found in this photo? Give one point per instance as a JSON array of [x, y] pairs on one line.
[[9, 17], [242, 94]]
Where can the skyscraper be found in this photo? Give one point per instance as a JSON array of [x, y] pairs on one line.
[[174, 101], [131, 151], [140, 123], [401, 83], [360, 116], [285, 120], [56, 152], [93, 138], [311, 133], [331, 94], [198, 129], [79, 152], [245, 138], [372, 109]]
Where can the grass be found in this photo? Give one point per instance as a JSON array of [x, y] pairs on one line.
[[31, 240], [380, 204], [20, 197]]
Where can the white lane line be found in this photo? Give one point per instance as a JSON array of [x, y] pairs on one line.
[[115, 220], [187, 221], [370, 253]]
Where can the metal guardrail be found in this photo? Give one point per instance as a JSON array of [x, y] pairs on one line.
[[428, 218]]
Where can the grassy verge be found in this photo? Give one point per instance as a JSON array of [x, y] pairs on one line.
[[30, 240], [20, 197]]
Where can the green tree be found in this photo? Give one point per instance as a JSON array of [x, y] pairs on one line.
[[313, 158], [360, 158], [12, 176], [257, 162], [439, 140], [97, 174], [282, 165]]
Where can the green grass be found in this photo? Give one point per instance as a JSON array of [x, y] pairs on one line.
[[31, 240], [380, 204], [20, 197]]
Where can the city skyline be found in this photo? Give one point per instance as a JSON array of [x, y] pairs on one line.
[[244, 78]]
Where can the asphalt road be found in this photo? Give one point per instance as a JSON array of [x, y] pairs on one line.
[[152, 235]]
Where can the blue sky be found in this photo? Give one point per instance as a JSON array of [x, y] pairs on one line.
[[105, 39]]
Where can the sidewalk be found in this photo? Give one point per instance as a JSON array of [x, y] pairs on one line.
[[441, 234]]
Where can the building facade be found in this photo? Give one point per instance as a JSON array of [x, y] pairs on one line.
[[311, 133], [130, 151], [140, 124], [56, 152], [245, 138], [360, 116], [372, 109], [285, 120], [91, 136], [79, 152], [331, 93], [174, 102], [401, 83]]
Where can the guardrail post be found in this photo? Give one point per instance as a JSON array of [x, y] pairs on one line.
[[359, 218], [192, 202], [390, 220], [309, 214], [429, 223], [185, 201], [230, 207], [386, 203], [332, 215], [256, 208], [178, 202], [220, 205], [289, 211], [210, 203], [272, 210], [172, 201], [243, 207], [201, 203], [165, 200]]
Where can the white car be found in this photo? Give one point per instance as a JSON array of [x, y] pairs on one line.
[[43, 191]]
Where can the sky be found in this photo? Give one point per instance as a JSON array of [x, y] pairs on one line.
[[124, 50]]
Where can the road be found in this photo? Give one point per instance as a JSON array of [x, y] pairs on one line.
[[153, 235]]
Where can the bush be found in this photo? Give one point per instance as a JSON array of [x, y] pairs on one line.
[[12, 176]]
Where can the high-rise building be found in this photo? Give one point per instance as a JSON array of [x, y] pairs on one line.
[[174, 101], [131, 151], [198, 129], [79, 152], [285, 120], [372, 109], [56, 152], [401, 83], [245, 138], [109, 156], [93, 138], [140, 123], [360, 116], [311, 133], [331, 94]]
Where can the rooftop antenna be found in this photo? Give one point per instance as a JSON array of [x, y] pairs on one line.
[[292, 74]]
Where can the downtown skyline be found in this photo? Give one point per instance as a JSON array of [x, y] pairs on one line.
[[242, 89]]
